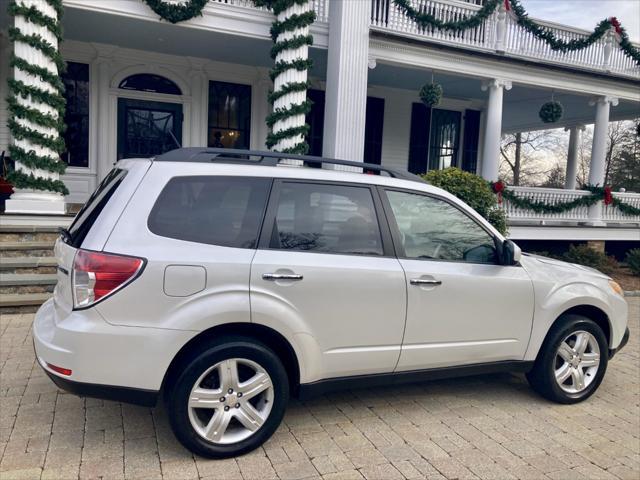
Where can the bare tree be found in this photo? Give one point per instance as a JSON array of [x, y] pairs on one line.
[[520, 155]]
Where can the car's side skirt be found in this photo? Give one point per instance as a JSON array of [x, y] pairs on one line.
[[314, 389]]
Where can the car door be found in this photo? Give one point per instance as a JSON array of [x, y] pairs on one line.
[[463, 307], [325, 272]]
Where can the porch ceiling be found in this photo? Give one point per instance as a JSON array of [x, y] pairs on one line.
[[161, 37], [521, 103]]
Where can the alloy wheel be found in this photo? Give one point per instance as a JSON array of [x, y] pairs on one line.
[[231, 401], [577, 361]]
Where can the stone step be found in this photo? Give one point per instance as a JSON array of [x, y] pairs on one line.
[[26, 248], [28, 264], [23, 299], [12, 283], [28, 233]]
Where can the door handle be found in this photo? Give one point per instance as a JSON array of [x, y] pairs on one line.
[[281, 276], [422, 281]]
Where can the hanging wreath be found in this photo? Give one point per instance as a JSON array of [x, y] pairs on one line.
[[175, 13], [431, 94], [551, 112]]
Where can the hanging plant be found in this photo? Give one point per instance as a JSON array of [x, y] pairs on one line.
[[551, 112], [431, 94], [179, 12]]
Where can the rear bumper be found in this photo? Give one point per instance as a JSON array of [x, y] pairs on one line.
[[103, 357], [623, 342], [146, 398]]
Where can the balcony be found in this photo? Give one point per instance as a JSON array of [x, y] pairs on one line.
[[504, 37]]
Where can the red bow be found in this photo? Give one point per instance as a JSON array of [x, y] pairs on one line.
[[608, 197], [615, 23], [498, 188], [507, 5]]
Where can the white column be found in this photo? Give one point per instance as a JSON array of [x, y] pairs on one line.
[[198, 80], [347, 74], [599, 151], [26, 200], [104, 162], [493, 128], [261, 98], [575, 134]]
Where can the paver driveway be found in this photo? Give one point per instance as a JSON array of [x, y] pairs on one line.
[[478, 427]]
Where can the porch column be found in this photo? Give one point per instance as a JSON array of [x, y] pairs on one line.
[[575, 135], [198, 107], [599, 150], [493, 127], [347, 73], [104, 161]]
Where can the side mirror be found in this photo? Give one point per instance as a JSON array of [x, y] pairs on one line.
[[511, 253]]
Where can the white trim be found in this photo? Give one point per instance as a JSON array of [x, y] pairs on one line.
[[574, 233]]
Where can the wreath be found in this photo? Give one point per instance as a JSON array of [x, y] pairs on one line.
[[175, 13], [551, 112], [431, 94]]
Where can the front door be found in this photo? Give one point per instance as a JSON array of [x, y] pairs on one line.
[[323, 269], [146, 129], [463, 307]]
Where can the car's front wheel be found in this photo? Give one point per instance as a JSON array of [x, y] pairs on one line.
[[229, 399], [572, 361]]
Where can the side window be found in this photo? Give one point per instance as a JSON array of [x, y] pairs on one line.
[[224, 211], [433, 229], [326, 219]]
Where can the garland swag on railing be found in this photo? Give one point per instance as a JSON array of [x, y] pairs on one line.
[[291, 39], [597, 194], [36, 100], [425, 19]]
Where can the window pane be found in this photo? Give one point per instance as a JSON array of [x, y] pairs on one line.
[[147, 82], [444, 139], [326, 219], [229, 115], [76, 117], [434, 229], [225, 211]]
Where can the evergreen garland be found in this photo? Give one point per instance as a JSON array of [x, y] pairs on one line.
[[431, 94], [28, 121], [176, 13], [596, 194], [551, 112], [425, 19]]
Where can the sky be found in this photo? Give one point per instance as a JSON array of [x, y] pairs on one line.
[[587, 13]]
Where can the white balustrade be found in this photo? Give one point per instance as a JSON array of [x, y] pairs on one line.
[[603, 55], [554, 196], [321, 7]]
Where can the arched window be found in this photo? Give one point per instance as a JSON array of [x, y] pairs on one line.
[[148, 82]]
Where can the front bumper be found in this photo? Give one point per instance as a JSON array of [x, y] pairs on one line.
[[105, 360], [623, 342]]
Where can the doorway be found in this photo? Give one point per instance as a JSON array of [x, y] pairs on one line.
[[147, 128]]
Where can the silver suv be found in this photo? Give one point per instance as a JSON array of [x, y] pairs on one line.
[[225, 281]]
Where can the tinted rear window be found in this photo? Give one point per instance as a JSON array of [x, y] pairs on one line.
[[97, 201], [225, 211]]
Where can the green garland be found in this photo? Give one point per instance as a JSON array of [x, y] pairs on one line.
[[426, 20], [24, 116], [557, 44], [177, 13], [596, 194]]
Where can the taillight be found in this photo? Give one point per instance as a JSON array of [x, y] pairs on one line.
[[97, 275]]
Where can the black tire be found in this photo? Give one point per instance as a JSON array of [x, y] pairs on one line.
[[542, 377], [227, 347]]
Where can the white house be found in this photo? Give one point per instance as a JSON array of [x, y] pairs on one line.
[[137, 85]]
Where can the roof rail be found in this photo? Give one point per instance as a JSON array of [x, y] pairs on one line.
[[236, 156]]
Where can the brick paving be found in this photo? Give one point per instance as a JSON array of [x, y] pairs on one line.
[[490, 427]]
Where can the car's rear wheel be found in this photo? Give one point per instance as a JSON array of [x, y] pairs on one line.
[[229, 398], [572, 361]]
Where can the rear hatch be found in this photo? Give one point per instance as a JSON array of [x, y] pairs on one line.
[[72, 239]]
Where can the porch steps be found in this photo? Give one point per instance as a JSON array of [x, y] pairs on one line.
[[27, 266]]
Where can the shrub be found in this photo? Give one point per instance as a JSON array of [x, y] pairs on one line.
[[473, 190], [584, 255], [633, 261]]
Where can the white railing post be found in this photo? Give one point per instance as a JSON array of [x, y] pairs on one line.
[[608, 48], [501, 28]]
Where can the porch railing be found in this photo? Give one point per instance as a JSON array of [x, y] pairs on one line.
[[320, 6], [501, 33], [553, 196]]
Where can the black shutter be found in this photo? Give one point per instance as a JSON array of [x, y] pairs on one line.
[[315, 120], [419, 140], [373, 130], [471, 139]]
